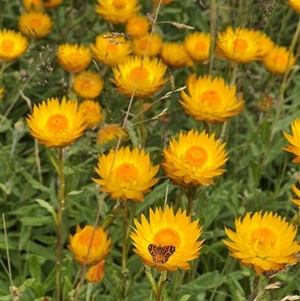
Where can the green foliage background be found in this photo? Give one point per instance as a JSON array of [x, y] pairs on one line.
[[259, 174]]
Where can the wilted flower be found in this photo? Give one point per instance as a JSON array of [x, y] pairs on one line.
[[35, 24], [168, 241], [80, 242], [56, 124], [194, 159], [126, 174], [265, 242], [73, 58], [12, 44], [294, 139]]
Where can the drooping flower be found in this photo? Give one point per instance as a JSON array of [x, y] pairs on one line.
[[278, 60], [167, 241], [126, 174], [241, 45], [117, 11], [52, 3], [87, 84], [175, 55], [96, 273], [210, 99], [33, 5], [197, 46], [73, 58], [295, 5], [294, 139], [137, 26], [12, 44], [35, 24], [194, 159], [110, 133], [297, 193], [111, 49], [265, 242], [147, 75], [56, 124], [147, 44], [80, 242], [92, 113]]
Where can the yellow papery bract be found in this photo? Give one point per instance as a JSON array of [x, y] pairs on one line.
[[165, 230], [137, 26], [92, 113], [127, 174], [110, 133], [265, 242], [96, 273], [294, 139], [295, 5], [175, 55]]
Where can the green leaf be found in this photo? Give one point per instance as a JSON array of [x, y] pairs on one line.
[[185, 298], [36, 221], [35, 268], [48, 207], [26, 284], [34, 183]]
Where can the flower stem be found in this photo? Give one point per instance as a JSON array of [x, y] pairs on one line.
[[213, 26], [124, 251], [160, 286], [143, 133], [60, 208], [89, 291], [191, 192]]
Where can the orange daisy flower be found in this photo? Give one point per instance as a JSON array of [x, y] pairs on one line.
[[197, 46], [147, 44], [137, 26]]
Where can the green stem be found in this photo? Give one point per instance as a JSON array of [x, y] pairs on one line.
[[151, 279], [143, 133], [89, 291], [255, 287], [213, 26], [111, 217], [124, 250], [60, 209], [160, 286], [191, 192]]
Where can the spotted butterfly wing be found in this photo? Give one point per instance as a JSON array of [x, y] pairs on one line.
[[160, 254]]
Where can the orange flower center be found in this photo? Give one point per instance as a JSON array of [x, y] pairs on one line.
[[264, 236], [240, 45], [35, 22], [196, 155], [127, 172], [210, 96], [112, 47], [200, 46], [143, 44], [280, 60], [139, 72], [73, 56], [57, 122], [7, 45], [119, 3], [167, 237], [85, 239]]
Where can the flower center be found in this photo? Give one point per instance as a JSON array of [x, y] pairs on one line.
[[139, 72], [264, 236], [167, 237], [196, 155], [112, 47], [210, 96], [35, 22], [57, 122], [119, 3], [143, 44], [73, 56], [200, 46], [127, 172], [240, 45], [280, 60], [7, 45], [85, 239]]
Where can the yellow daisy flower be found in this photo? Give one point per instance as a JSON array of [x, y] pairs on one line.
[[194, 159], [137, 26], [111, 50], [117, 11], [12, 44], [87, 84], [297, 192], [1, 92], [147, 75], [126, 174], [151, 45], [279, 60], [265, 242], [52, 3], [56, 124], [210, 99], [295, 5], [168, 241], [175, 55], [241, 45], [92, 113], [96, 273], [33, 5], [80, 242], [110, 133], [73, 58], [294, 139], [197, 46], [35, 24]]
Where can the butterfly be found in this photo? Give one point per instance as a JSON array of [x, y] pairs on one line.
[[160, 254]]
